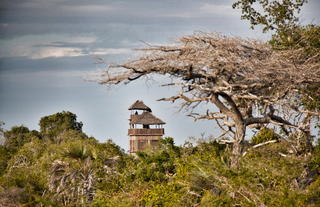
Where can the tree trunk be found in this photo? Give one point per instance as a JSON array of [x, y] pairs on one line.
[[303, 137], [233, 113], [237, 145], [307, 131]]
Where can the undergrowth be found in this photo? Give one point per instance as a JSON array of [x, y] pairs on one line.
[[77, 170]]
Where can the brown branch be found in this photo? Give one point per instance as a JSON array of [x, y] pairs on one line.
[[237, 116], [269, 118], [215, 100], [208, 116], [185, 98]]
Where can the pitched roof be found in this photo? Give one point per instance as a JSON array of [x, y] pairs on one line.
[[146, 118], [139, 105]]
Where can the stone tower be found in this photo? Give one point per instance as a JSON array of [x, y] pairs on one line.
[[145, 129]]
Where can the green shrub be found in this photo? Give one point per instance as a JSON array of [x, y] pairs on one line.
[[17, 136], [264, 135], [315, 160], [4, 158], [209, 199], [53, 125], [163, 195], [78, 149]]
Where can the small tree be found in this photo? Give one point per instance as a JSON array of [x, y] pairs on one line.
[[53, 125], [246, 80], [17, 136]]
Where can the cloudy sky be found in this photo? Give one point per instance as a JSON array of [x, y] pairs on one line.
[[48, 50]]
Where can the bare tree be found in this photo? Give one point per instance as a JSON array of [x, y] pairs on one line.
[[249, 83]]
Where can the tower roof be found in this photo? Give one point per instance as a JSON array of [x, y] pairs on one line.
[[139, 105], [146, 118]]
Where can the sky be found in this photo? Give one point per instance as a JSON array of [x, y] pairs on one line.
[[48, 51]]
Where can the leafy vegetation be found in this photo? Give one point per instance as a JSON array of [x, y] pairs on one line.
[[270, 14], [54, 125], [264, 135], [80, 171]]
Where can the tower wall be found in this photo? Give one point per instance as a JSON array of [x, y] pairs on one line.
[[141, 139], [142, 142]]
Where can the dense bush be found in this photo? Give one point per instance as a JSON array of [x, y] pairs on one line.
[[4, 158], [168, 195], [53, 125], [17, 136], [265, 134]]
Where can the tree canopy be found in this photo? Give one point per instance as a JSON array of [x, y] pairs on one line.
[[17, 136], [53, 125]]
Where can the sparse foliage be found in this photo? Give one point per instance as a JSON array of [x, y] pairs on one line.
[[271, 14]]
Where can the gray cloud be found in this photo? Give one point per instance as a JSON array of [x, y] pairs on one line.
[[41, 14], [64, 44], [85, 63]]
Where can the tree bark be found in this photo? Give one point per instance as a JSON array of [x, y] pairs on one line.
[[307, 122], [240, 126], [237, 145]]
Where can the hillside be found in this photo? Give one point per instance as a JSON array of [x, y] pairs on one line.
[[62, 166]]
